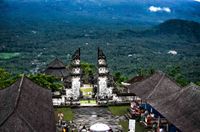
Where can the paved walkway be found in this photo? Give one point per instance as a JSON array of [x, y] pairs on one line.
[[89, 105], [90, 115]]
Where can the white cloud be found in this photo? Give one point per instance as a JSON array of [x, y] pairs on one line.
[[197, 0], [154, 9], [166, 9], [159, 9]]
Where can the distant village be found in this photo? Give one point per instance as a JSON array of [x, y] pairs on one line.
[[155, 103]]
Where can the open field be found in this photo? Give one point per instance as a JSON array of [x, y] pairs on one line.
[[7, 56]]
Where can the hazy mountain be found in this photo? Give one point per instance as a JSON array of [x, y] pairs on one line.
[[189, 29], [176, 28], [115, 11]]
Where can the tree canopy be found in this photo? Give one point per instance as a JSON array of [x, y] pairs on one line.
[[118, 77], [198, 83], [47, 81], [145, 72], [6, 79], [88, 72], [176, 73]]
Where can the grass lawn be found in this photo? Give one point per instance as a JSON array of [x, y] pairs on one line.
[[118, 110], [68, 114], [86, 102], [86, 91], [7, 56], [139, 127]]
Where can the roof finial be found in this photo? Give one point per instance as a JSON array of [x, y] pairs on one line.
[[101, 55], [77, 54]]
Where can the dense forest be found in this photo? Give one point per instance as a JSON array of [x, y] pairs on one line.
[[29, 50], [33, 33], [53, 83]]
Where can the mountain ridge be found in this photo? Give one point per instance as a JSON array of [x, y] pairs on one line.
[[188, 30]]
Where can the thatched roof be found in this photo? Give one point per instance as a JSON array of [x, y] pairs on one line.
[[57, 68], [182, 108], [26, 107], [155, 87], [56, 64], [57, 72], [135, 79]]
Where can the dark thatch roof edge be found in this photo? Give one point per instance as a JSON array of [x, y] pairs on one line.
[[20, 84], [16, 102], [159, 72]]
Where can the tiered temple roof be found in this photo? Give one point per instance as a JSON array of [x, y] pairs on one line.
[[57, 68], [26, 107]]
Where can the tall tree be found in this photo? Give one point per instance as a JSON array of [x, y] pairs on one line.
[[47, 81], [145, 72], [176, 73], [6, 79], [118, 77]]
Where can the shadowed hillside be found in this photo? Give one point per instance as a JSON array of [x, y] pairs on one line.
[[189, 29]]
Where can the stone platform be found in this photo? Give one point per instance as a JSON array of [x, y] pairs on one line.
[[90, 115]]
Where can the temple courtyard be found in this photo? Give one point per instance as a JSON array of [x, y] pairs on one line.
[[113, 116], [87, 116]]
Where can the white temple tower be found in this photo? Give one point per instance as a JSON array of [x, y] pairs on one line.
[[103, 91], [76, 75]]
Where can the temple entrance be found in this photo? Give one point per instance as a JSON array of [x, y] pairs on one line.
[[87, 95], [87, 91]]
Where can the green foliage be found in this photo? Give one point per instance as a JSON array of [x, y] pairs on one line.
[[88, 68], [176, 73], [146, 49], [118, 110], [6, 56], [88, 71], [47, 81], [198, 83], [145, 72], [118, 77], [4, 74], [6, 79]]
